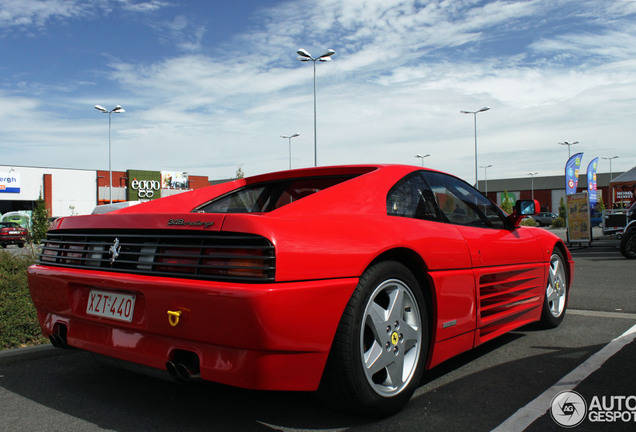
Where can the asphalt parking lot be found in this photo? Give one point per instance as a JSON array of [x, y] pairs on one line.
[[505, 385]]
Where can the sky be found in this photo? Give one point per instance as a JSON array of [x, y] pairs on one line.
[[211, 86]]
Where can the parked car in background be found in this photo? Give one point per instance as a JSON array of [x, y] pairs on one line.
[[628, 240], [12, 233], [545, 218], [350, 280]]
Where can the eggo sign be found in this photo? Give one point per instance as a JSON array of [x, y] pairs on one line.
[[145, 188]]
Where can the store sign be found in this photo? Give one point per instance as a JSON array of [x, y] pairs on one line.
[[174, 180], [578, 221], [622, 195], [144, 185], [9, 182]]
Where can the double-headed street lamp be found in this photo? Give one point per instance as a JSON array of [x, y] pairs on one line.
[[117, 109], [422, 157], [304, 56], [290, 138], [610, 159], [532, 174], [569, 144], [474, 113], [485, 167]]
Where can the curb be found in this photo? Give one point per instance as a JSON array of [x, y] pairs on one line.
[[30, 353]]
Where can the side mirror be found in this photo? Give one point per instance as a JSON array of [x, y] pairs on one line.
[[527, 207], [522, 209]]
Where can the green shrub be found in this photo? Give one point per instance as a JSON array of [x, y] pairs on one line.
[[18, 320], [528, 222], [558, 223]]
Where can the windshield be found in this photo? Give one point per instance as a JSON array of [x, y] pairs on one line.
[[265, 197]]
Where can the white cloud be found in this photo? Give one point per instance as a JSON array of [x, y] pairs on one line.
[[402, 71], [143, 6], [37, 13], [27, 14]]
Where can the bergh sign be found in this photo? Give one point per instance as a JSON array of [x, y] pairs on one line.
[[9, 182]]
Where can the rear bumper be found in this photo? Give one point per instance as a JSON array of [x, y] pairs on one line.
[[12, 239], [261, 336]]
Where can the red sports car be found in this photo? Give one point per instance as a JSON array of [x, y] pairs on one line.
[[350, 280], [12, 233]]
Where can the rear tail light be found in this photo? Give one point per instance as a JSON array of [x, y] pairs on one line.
[[235, 262], [177, 260], [219, 256]]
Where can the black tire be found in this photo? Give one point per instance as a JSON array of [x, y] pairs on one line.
[[628, 244], [397, 340], [20, 245], [556, 293], [4, 245]]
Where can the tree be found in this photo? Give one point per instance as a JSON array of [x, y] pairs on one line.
[[40, 220], [599, 202], [560, 221], [562, 211], [239, 173]]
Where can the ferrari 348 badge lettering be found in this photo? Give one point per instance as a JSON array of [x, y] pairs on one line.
[[183, 222]]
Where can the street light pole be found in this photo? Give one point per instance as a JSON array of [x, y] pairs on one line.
[[474, 113], [304, 56], [610, 160], [532, 174], [569, 144], [290, 138], [422, 157], [117, 109], [609, 189], [485, 167]]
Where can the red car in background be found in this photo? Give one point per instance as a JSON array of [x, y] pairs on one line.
[[12, 233], [349, 280]]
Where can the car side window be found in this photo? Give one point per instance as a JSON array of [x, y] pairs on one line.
[[461, 204], [412, 198]]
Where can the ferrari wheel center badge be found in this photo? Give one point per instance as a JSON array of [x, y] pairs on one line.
[[394, 338]]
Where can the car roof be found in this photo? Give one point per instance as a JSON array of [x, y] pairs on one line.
[[374, 180]]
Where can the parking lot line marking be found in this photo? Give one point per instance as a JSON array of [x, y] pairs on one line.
[[602, 314], [527, 415]]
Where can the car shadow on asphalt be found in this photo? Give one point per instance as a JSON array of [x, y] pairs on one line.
[[116, 399]]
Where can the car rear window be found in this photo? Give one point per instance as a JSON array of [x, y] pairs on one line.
[[265, 197]]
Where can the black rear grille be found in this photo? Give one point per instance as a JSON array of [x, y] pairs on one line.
[[209, 256]]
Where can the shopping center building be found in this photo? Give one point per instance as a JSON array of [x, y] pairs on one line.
[[68, 192], [549, 190]]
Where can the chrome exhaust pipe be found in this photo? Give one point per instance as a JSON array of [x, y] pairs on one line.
[[172, 370], [55, 341], [183, 365], [58, 339], [186, 374]]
